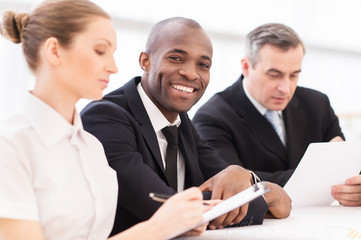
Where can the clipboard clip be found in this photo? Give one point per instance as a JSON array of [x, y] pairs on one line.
[[260, 186]]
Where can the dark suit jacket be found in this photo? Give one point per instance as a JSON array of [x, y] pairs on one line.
[[121, 123], [234, 127]]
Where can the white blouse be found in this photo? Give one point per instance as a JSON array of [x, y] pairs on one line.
[[55, 173]]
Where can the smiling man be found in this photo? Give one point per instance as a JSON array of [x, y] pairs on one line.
[[136, 122], [264, 121]]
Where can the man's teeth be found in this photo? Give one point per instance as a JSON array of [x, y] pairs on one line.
[[183, 88]]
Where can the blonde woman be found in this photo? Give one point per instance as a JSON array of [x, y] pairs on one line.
[[55, 182]]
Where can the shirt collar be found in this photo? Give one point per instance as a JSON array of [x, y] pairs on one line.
[[48, 123], [261, 109], [158, 120]]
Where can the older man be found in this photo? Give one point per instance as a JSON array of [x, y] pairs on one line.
[[264, 121]]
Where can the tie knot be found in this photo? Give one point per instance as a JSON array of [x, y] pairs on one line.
[[171, 134]]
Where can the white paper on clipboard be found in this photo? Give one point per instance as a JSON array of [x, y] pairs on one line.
[[233, 202]]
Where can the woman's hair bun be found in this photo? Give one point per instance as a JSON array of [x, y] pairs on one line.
[[13, 25]]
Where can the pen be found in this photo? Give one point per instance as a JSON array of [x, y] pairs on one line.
[[160, 197]]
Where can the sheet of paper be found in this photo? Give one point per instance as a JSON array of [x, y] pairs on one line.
[[322, 166]]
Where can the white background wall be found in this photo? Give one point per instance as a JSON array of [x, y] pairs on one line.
[[330, 30]]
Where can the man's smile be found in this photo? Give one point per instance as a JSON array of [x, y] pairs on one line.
[[184, 88]]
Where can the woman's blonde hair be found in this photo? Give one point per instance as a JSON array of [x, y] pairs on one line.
[[61, 19]]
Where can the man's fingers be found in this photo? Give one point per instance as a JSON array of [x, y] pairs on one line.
[[241, 214], [354, 180], [346, 189], [349, 203], [217, 223], [230, 217], [217, 193], [346, 197], [206, 186]]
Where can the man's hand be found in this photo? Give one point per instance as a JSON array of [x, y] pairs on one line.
[[225, 184], [348, 194], [279, 203]]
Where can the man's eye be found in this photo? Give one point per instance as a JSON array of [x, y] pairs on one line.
[[204, 65], [274, 75], [175, 58], [294, 76]]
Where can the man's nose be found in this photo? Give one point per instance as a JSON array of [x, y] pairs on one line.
[[189, 72]]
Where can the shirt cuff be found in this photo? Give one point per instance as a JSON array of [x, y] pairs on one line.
[[255, 178]]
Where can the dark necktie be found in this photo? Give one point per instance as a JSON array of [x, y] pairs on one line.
[[171, 134]]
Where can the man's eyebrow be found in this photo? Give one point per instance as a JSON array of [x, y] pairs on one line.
[[278, 71], [206, 58], [176, 50], [274, 70]]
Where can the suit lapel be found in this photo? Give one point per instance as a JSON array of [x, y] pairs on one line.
[[257, 123], [295, 123], [140, 114]]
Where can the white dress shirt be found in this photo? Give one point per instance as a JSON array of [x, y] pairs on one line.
[[159, 122], [55, 173]]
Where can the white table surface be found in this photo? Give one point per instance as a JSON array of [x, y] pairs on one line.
[[326, 222]]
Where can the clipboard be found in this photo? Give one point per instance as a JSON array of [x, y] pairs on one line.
[[235, 201], [231, 203]]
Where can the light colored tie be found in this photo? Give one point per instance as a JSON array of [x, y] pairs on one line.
[[275, 119]]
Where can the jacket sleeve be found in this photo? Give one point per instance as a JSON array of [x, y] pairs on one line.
[[217, 134], [331, 126], [117, 131], [209, 160], [211, 163]]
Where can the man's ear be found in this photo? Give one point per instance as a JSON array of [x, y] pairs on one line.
[[246, 64], [52, 51], [144, 61]]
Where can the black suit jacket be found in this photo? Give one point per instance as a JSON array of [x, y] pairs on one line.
[[234, 127], [121, 123]]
